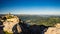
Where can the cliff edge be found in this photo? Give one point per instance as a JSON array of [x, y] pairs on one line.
[[9, 22]]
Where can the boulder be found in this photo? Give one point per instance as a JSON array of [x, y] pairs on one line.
[[53, 30], [10, 23]]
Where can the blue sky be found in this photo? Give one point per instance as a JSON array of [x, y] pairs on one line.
[[49, 7]]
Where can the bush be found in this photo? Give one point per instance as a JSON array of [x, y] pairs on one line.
[[8, 33]]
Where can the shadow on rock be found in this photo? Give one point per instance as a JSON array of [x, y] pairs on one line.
[[1, 28], [34, 29]]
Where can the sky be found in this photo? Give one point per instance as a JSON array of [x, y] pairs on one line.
[[45, 7]]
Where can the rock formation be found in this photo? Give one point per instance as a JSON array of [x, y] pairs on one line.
[[53, 30], [10, 22]]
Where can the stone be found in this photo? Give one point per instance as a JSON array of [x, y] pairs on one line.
[[18, 28], [10, 23], [53, 30]]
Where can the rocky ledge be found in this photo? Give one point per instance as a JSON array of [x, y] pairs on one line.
[[9, 21], [53, 30]]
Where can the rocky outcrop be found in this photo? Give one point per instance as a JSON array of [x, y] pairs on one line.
[[10, 22], [53, 30], [19, 29]]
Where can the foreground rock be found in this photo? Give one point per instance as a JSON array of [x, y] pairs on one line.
[[9, 23], [53, 30]]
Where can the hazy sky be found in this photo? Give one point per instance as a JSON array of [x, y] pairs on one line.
[[49, 7]]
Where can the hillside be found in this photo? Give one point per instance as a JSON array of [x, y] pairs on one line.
[[48, 20]]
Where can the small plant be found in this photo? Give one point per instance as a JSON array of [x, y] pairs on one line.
[[10, 17], [8, 33]]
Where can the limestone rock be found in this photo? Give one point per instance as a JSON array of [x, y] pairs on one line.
[[18, 28], [53, 30], [10, 23], [57, 25]]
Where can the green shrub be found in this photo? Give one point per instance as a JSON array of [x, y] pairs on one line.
[[8, 33]]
